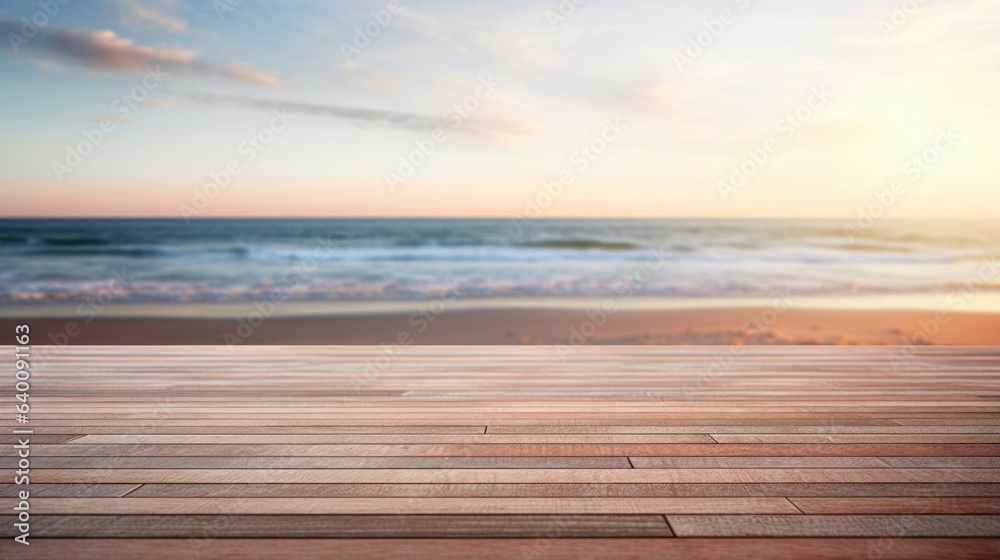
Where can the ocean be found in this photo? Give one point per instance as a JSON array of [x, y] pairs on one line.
[[224, 260]]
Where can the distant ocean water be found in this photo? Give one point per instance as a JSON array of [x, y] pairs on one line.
[[70, 260]]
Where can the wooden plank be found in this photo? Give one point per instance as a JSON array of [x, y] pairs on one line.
[[405, 506], [970, 422], [399, 439], [872, 526], [900, 395], [498, 462], [815, 462], [504, 548], [853, 438], [556, 490], [68, 490], [404, 408], [896, 506], [760, 463], [40, 438], [131, 428], [510, 476], [323, 462], [745, 429], [348, 427], [532, 403], [943, 462], [343, 526], [430, 416], [413, 404], [522, 450]]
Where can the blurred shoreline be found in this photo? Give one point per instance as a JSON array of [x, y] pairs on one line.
[[956, 301], [477, 281], [686, 263]]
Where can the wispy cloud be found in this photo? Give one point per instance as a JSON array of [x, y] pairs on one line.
[[238, 72], [104, 51], [154, 13], [373, 118], [47, 65], [638, 99]]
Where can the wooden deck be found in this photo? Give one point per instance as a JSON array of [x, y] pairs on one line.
[[510, 452]]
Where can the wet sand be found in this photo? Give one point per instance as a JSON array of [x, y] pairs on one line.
[[750, 326]]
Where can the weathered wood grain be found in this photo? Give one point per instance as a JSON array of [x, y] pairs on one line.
[[299, 439], [815, 462], [510, 476], [69, 490], [559, 490], [304, 451], [405, 506], [229, 525], [891, 526], [504, 548], [522, 450], [325, 463], [897, 505], [853, 438], [745, 429]]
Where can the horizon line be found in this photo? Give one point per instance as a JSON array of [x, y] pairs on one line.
[[548, 218]]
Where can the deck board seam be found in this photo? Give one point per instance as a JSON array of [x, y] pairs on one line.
[[669, 526], [794, 505], [136, 487]]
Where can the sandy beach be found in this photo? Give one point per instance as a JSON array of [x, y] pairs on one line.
[[750, 326]]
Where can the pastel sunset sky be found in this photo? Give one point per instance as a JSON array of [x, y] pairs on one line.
[[834, 100]]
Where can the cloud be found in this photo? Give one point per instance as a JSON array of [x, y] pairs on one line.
[[239, 72], [105, 52], [358, 116], [375, 81], [375, 118], [138, 14], [47, 65], [643, 100]]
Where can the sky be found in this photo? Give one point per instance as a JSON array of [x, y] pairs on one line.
[[424, 108]]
